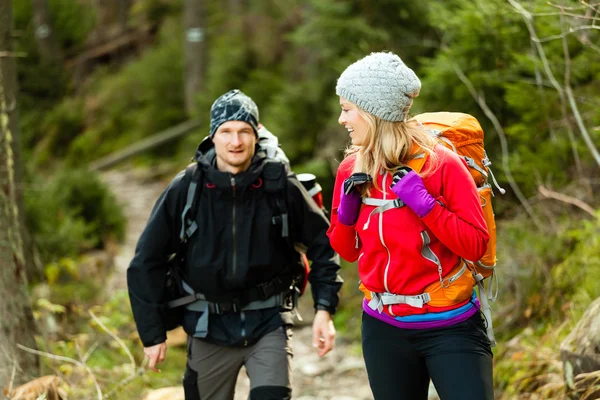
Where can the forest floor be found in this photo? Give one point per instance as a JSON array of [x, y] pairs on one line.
[[340, 375]]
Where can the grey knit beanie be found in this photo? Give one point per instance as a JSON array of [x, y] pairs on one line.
[[233, 106], [381, 84]]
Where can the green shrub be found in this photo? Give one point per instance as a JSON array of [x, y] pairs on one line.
[[60, 126], [43, 85], [142, 98], [71, 212]]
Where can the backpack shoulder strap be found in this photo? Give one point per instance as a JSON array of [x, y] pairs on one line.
[[188, 220], [417, 162], [275, 175]]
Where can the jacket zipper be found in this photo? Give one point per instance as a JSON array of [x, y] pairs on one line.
[[243, 324], [234, 255]]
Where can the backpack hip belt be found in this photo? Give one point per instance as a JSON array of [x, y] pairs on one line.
[[379, 300], [223, 308], [453, 288], [257, 296]]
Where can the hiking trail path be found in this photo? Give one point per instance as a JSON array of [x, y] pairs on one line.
[[340, 375]]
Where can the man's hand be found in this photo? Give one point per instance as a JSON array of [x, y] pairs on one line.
[[156, 354], [323, 333]]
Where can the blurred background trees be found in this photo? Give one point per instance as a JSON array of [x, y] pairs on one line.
[[97, 76]]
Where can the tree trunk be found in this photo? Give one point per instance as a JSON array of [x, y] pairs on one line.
[[44, 32], [16, 319], [104, 20], [8, 69], [123, 14], [194, 16]]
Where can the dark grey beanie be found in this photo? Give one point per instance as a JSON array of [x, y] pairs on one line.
[[381, 84], [233, 106]]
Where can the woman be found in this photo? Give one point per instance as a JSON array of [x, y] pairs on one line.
[[408, 250]]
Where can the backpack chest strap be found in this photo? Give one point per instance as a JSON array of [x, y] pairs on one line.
[[381, 205]]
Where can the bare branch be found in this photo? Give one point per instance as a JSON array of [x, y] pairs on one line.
[[96, 384], [50, 356], [585, 41], [140, 371], [540, 85], [565, 34], [492, 117], [116, 338], [564, 109], [88, 353], [555, 13], [584, 28], [567, 199], [69, 360], [8, 54], [527, 17], [12, 377]]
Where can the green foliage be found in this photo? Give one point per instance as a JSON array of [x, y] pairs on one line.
[[578, 274], [61, 126], [153, 11], [107, 359], [287, 55], [490, 43], [347, 319], [71, 212], [551, 283], [142, 98], [72, 21], [42, 86], [530, 366]]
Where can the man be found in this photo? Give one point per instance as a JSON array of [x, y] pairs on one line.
[[250, 217]]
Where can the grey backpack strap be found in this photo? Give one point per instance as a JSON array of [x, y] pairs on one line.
[[188, 220]]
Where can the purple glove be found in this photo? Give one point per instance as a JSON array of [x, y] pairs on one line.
[[409, 188], [350, 198]]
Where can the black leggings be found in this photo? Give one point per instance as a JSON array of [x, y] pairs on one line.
[[400, 362]]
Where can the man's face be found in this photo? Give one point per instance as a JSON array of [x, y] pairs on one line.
[[234, 142]]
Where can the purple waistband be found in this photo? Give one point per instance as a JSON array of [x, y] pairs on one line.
[[419, 325]]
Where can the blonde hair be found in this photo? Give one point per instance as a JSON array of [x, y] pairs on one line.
[[388, 145]]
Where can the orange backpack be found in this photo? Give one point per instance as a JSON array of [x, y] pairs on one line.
[[462, 133]]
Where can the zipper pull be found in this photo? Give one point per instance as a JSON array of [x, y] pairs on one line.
[[232, 182], [502, 191], [487, 163]]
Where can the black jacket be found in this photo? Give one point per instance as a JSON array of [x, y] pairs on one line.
[[235, 247]]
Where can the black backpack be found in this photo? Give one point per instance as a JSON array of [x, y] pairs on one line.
[[275, 175]]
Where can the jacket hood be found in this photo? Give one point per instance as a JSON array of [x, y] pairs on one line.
[[206, 158]]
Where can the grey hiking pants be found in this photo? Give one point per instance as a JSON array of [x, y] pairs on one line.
[[267, 362]]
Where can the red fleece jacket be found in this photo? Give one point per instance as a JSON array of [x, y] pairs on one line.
[[389, 249]]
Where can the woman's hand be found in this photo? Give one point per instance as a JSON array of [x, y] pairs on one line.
[[350, 199], [409, 188]]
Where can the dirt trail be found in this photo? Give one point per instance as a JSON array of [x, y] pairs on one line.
[[340, 375]]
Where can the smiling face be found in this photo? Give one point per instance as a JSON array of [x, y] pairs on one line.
[[235, 142], [351, 119]]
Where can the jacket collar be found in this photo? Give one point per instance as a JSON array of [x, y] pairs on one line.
[[206, 158]]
